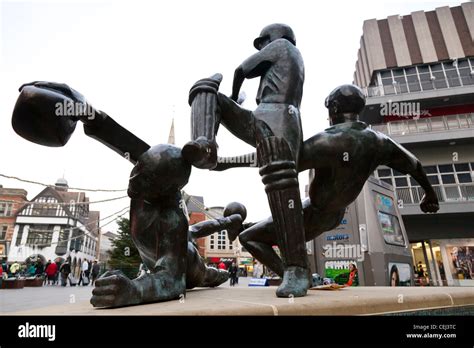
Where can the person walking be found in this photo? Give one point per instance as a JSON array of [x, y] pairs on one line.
[[95, 271], [31, 271], [64, 271], [57, 275], [51, 271], [45, 275], [233, 274], [39, 268], [222, 266], [15, 269], [84, 277]]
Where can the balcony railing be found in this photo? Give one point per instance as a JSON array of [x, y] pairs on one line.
[[452, 193], [425, 125]]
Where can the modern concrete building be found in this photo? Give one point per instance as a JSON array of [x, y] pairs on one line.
[[56, 224], [417, 71], [11, 201]]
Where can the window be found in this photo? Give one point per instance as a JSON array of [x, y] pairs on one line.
[[40, 235], [430, 169], [45, 206], [448, 179], [19, 235], [389, 224], [446, 168], [392, 232], [401, 182], [384, 172], [3, 232], [462, 167], [211, 242], [221, 240], [464, 178], [63, 237], [6, 209], [433, 179]]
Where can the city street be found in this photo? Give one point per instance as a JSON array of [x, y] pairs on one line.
[[15, 300]]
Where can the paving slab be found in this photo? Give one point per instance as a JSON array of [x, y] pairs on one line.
[[262, 301]]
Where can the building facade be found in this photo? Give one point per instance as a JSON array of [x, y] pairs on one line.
[[417, 72], [11, 201], [55, 225], [105, 246]]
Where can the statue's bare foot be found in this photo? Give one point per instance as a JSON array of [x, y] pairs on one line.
[[296, 282], [115, 289]]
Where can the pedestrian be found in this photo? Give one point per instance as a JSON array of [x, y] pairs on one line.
[[51, 271], [95, 271], [58, 266], [64, 271], [44, 272], [31, 271], [353, 276], [39, 268], [233, 270], [15, 269], [1, 275], [4, 266], [84, 276]]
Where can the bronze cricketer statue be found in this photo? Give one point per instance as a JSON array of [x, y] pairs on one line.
[[159, 227], [274, 128], [343, 157]]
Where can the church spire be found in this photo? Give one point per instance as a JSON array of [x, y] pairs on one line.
[[171, 135]]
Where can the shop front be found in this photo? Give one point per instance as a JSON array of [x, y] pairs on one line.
[[444, 262]]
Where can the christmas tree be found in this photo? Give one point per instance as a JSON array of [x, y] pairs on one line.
[[124, 256]]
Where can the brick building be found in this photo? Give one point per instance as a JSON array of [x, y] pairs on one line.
[[11, 201]]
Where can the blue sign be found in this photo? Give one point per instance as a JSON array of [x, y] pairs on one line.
[[338, 237], [258, 282]]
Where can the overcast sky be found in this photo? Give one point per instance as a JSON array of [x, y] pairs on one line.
[[136, 60]]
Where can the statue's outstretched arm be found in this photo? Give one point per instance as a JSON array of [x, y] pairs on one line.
[[402, 160], [46, 113], [206, 228]]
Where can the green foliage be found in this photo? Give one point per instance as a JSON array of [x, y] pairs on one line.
[[124, 256]]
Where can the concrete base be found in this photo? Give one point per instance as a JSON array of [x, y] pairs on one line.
[[262, 301]]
